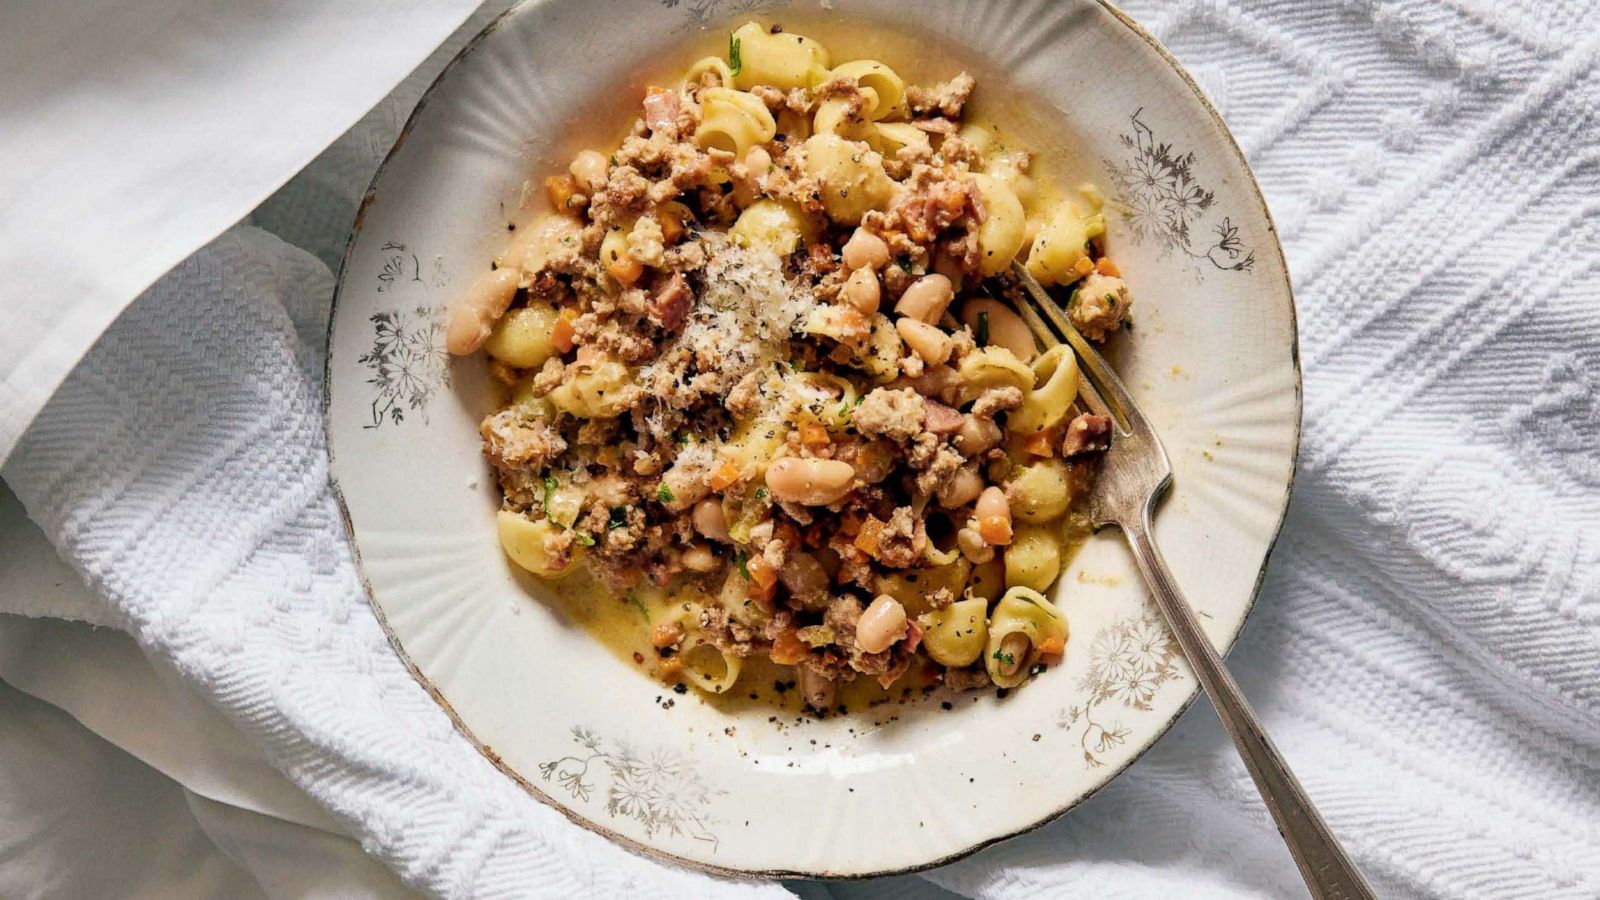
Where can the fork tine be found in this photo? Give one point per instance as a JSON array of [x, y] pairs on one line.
[[1113, 394], [1048, 338]]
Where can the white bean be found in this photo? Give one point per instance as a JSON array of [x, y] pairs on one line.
[[474, 317], [710, 521], [862, 290], [811, 482], [818, 691], [589, 170], [927, 341], [865, 250], [963, 488], [881, 625], [926, 298], [973, 546], [1003, 327], [699, 558], [977, 434]]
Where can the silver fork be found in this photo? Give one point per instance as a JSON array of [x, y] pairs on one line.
[[1134, 475]]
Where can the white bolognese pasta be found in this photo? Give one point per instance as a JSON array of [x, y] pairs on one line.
[[766, 387]]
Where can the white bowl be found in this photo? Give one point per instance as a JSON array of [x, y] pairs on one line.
[[1212, 359]]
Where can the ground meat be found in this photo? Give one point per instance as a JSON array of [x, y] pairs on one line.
[[646, 242], [549, 376], [902, 539], [842, 615], [895, 413], [957, 151], [773, 97], [621, 199], [513, 440], [745, 398], [945, 98], [688, 167], [936, 463], [1099, 306], [1086, 434], [967, 679], [611, 336], [996, 400]]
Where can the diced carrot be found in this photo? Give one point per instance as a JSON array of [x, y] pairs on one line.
[[1039, 444], [562, 333], [1083, 266], [670, 669], [869, 537], [1106, 267], [813, 436], [1052, 649], [762, 574], [787, 648], [850, 523], [671, 221], [560, 189], [995, 530], [622, 266], [725, 475]]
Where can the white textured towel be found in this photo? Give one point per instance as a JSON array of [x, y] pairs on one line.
[[1427, 647]]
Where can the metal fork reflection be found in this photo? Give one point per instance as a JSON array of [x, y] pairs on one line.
[[1134, 474]]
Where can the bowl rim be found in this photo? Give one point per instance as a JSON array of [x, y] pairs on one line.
[[1276, 246]]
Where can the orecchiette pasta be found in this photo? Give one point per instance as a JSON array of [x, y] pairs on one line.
[[708, 667], [774, 225], [733, 121], [850, 175], [1004, 226], [524, 337], [1042, 490], [1022, 627], [993, 367], [596, 392], [955, 636], [526, 542], [1033, 558], [1051, 397], [781, 60]]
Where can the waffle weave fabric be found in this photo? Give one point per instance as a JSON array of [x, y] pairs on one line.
[[1427, 644]]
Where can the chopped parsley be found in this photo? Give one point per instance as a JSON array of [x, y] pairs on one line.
[[664, 493], [550, 486], [904, 262], [1111, 299], [613, 160], [983, 329], [639, 605], [681, 437], [735, 61], [761, 493], [742, 560], [1004, 657], [1072, 298], [618, 519], [584, 540]]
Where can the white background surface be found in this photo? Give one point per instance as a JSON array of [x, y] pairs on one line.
[[1426, 645]]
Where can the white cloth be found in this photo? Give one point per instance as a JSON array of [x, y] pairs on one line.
[[133, 133], [1425, 647]]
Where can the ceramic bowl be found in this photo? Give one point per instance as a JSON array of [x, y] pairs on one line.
[[1211, 358]]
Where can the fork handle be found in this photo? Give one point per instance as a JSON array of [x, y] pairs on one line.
[[1327, 870]]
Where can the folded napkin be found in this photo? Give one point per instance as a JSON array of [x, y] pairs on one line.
[[1426, 646]]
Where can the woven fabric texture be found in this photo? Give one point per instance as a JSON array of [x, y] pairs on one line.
[[1427, 644]]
